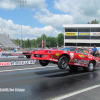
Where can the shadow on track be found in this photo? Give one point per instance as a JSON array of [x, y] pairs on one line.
[[58, 82], [63, 73]]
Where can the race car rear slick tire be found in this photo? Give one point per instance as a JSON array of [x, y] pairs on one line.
[[63, 62], [28, 56], [85, 69], [44, 62], [90, 67], [73, 67]]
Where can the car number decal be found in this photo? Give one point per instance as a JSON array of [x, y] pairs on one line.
[[72, 55]]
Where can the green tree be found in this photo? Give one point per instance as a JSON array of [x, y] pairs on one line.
[[33, 43], [39, 42], [18, 41], [48, 41], [23, 44], [51, 42], [94, 22], [27, 43], [60, 39]]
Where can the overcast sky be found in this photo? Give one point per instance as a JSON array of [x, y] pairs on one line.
[[45, 16]]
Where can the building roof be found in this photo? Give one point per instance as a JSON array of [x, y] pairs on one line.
[[81, 25]]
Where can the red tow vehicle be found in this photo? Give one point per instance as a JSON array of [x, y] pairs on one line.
[[74, 57]]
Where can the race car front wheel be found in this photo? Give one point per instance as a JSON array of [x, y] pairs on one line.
[[90, 67], [63, 62], [44, 62]]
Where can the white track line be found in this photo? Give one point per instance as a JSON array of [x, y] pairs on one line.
[[25, 69], [75, 93]]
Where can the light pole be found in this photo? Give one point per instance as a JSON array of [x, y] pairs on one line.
[[22, 3]]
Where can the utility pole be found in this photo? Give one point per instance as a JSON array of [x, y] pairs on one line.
[[22, 3], [45, 42], [49, 44]]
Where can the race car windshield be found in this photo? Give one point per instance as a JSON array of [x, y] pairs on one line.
[[68, 49]]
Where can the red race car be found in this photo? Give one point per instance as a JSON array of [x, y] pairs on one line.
[[72, 56], [27, 54]]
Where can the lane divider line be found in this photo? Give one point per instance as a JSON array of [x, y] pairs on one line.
[[25, 69], [75, 93]]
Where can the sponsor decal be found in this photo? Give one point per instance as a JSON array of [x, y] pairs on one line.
[[11, 54], [50, 59], [55, 60], [84, 51], [65, 52], [70, 34], [72, 55], [6, 54], [81, 62], [71, 60], [56, 57], [76, 64], [16, 54], [57, 54], [93, 57], [85, 65], [89, 56], [86, 62], [84, 34], [81, 56], [51, 56], [46, 55], [98, 34], [4, 63], [22, 62], [17, 63], [75, 60]]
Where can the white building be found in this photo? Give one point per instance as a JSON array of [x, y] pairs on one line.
[[82, 35]]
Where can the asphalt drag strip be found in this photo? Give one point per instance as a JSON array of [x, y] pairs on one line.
[[35, 82], [44, 83]]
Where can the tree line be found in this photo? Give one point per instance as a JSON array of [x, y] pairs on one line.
[[93, 22], [47, 41]]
